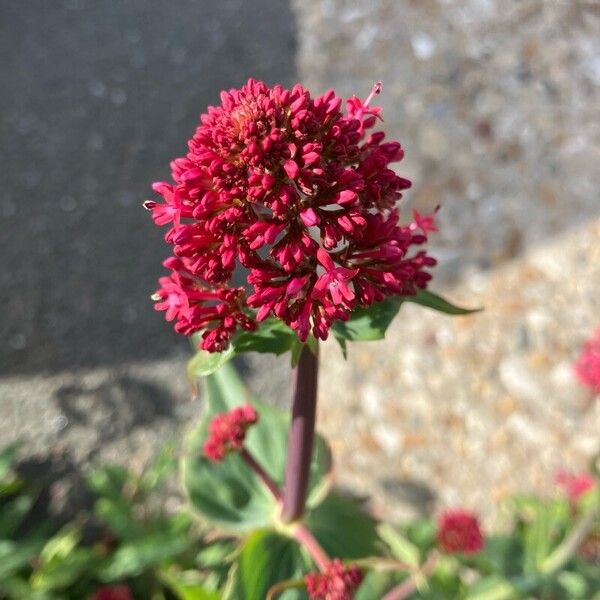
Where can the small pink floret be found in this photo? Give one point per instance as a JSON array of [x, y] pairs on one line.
[[227, 432], [336, 583], [574, 485], [459, 531], [587, 367]]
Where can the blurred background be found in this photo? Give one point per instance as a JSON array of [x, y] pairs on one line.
[[497, 105]]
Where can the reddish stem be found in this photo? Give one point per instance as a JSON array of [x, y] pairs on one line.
[[301, 434], [308, 540], [408, 586], [262, 474]]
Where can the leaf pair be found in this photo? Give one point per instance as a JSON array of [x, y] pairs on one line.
[[275, 337]]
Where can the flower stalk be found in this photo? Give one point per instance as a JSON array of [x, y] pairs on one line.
[[408, 586], [305, 538], [567, 549], [301, 434], [260, 472]]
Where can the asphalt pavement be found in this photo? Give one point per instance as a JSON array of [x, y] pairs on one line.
[[97, 97]]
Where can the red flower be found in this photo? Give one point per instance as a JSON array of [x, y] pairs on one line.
[[283, 185], [227, 432], [334, 281], [459, 531], [587, 368], [336, 583], [574, 485], [112, 592]]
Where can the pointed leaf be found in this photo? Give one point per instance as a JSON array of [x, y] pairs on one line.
[[368, 324], [343, 528], [402, 548], [375, 585], [431, 300], [134, 557], [12, 514], [14, 556], [187, 586], [272, 336], [204, 363], [268, 558]]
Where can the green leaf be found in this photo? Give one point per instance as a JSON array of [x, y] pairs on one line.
[[574, 585], [18, 588], [266, 559], [497, 587], [545, 526], [401, 547], [109, 481], [12, 514], [228, 494], [431, 300], [343, 528], [501, 553], [62, 561], [421, 532], [216, 554], [204, 363], [163, 465], [133, 558], [368, 324], [61, 545], [272, 336], [187, 585], [118, 515], [15, 556], [375, 585]]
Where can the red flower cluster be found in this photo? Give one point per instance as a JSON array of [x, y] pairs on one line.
[[227, 432], [292, 189], [574, 485], [587, 368], [112, 592], [459, 531], [337, 583]]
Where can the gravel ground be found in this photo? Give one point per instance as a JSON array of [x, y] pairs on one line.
[[497, 105], [469, 410]]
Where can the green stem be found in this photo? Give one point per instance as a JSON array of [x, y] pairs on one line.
[[282, 586], [569, 546]]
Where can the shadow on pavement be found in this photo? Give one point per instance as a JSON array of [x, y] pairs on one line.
[[101, 96]]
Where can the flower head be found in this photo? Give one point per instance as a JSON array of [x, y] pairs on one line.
[[112, 592], [294, 190], [587, 368], [459, 531], [336, 583], [574, 485], [227, 432]]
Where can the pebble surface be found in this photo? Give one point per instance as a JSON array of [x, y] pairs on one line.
[[497, 106], [472, 409]]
